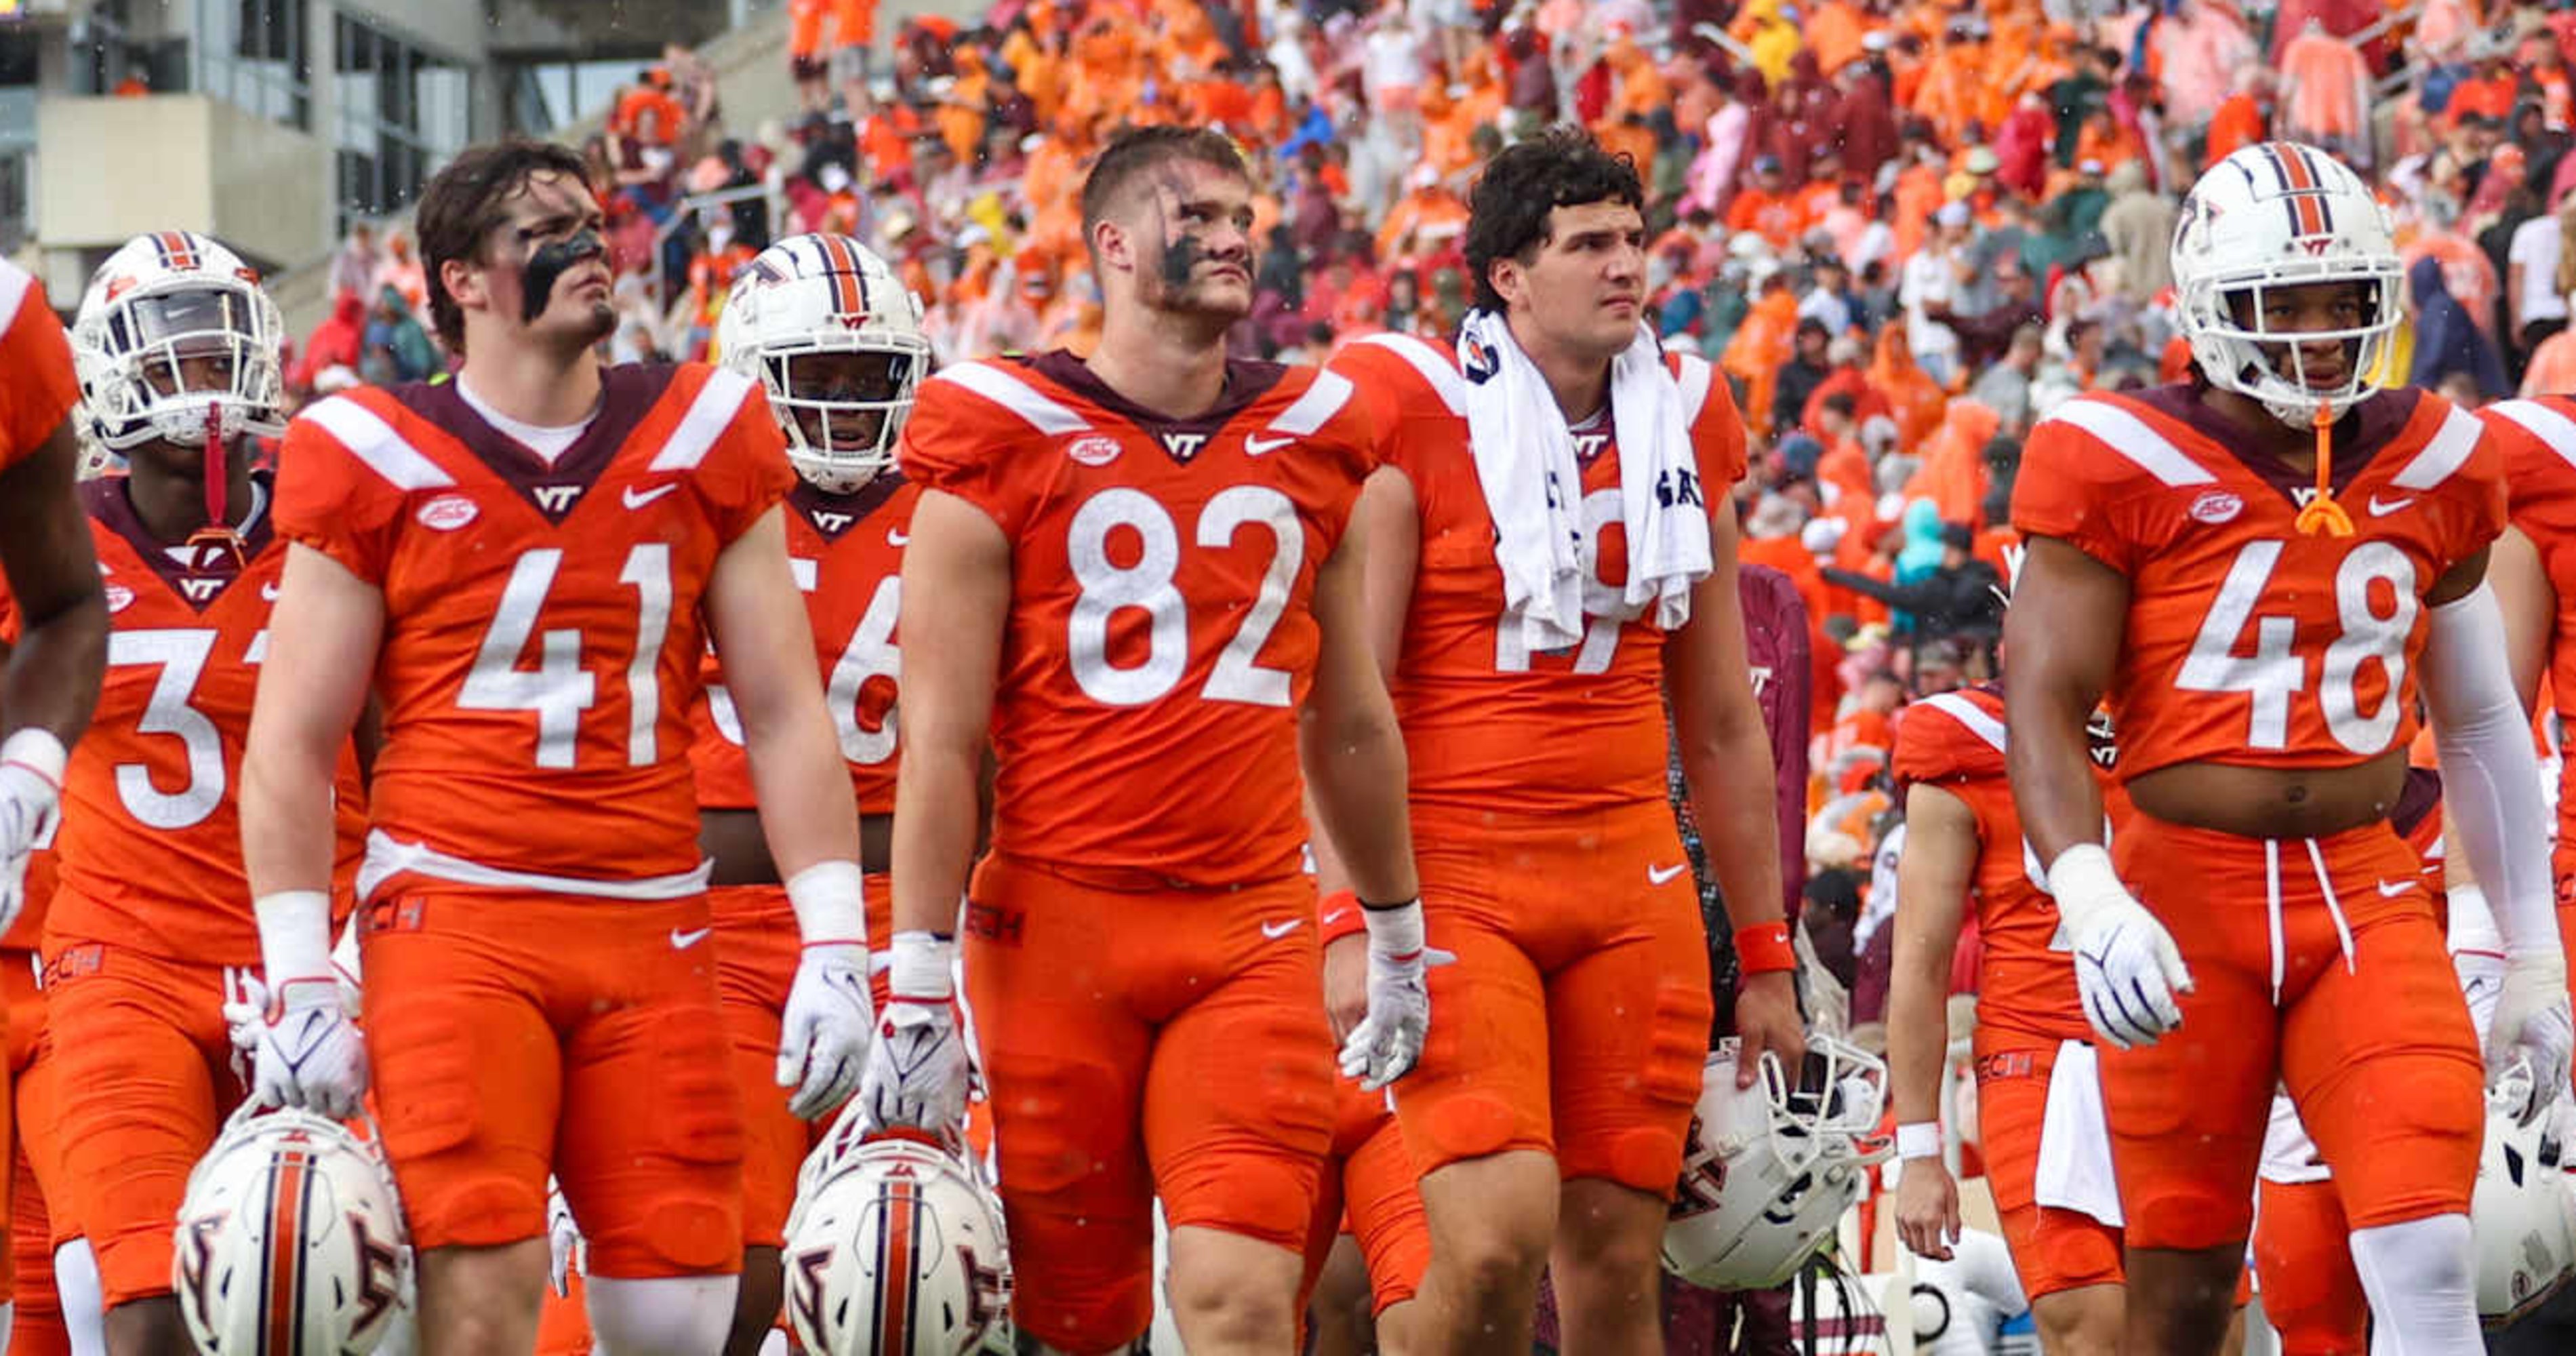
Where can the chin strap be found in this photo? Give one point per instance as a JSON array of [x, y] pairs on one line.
[[2322, 516], [218, 532]]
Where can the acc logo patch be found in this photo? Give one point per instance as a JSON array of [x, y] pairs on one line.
[[119, 597], [447, 513], [1094, 449], [2217, 506]]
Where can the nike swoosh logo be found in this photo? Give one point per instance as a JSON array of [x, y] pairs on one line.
[[1336, 916], [2380, 508], [1275, 931], [896, 536], [1255, 447], [1657, 875], [636, 499], [2392, 889], [682, 941]]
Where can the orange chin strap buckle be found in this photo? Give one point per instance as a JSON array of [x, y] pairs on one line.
[[2322, 516]]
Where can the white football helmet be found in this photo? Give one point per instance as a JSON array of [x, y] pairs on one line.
[[798, 306], [161, 299], [291, 1239], [1770, 1169], [894, 1248], [2281, 214], [2522, 1215]]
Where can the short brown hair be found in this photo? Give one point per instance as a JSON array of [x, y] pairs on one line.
[[462, 204], [1137, 150]]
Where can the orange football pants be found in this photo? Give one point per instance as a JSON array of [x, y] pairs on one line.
[[2375, 1047], [1371, 1192], [2053, 1249], [512, 1033], [2303, 1259], [757, 950], [143, 1078], [1575, 1021], [1138, 1043], [30, 1254]]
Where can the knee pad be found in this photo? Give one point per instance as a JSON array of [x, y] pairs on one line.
[[663, 1316], [84, 1302]]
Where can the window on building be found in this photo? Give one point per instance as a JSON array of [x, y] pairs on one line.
[[250, 53], [401, 111]]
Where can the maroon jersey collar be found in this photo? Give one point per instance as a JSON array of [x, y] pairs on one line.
[[627, 393], [211, 569], [1245, 382]]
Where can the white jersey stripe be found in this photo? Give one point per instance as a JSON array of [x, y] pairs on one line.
[[709, 416], [1968, 713], [388, 856], [375, 444], [2555, 430], [16, 285], [1321, 402], [1436, 371], [1017, 396], [2134, 439], [2448, 451]]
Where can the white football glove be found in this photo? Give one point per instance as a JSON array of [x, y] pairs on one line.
[[917, 1072], [823, 1041], [31, 787], [1388, 1041], [2126, 967], [310, 1054], [2532, 1025], [564, 1248]]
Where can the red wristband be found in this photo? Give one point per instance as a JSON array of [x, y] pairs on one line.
[[1338, 915], [1763, 948]]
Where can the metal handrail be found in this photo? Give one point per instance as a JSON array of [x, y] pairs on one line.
[[686, 209]]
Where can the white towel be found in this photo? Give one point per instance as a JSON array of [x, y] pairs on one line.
[[2074, 1170], [1524, 454]]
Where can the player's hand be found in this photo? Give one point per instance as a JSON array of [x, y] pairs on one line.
[[310, 1054], [917, 1074], [2532, 1024], [564, 1247], [1388, 1040], [1345, 983], [28, 803], [1927, 1208], [2127, 969], [1766, 1018], [823, 1039]]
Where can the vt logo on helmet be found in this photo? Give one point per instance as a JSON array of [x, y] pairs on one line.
[[291, 1239], [895, 1248], [1770, 1169]]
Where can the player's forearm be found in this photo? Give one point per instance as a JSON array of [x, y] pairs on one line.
[[1355, 777], [53, 672], [289, 830], [1918, 1032], [2051, 763], [2490, 778], [807, 813], [1733, 794], [935, 825]]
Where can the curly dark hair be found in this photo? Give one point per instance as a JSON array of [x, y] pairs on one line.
[[1137, 150], [462, 204], [1507, 217]]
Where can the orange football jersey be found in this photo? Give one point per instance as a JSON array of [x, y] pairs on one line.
[[2248, 641], [2538, 440], [1955, 741], [37, 386], [149, 849], [847, 551], [1160, 638], [1488, 725], [542, 638]]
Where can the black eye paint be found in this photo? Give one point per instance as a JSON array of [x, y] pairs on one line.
[[551, 261], [1180, 258]]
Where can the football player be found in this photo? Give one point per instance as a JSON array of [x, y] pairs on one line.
[[2262, 568], [52, 676], [1963, 838], [526, 562], [1129, 571], [1550, 555], [835, 341], [149, 933]]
